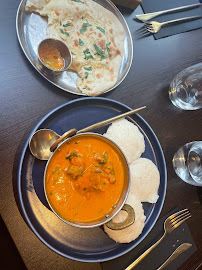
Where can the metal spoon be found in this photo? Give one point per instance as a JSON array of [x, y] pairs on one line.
[[44, 141]]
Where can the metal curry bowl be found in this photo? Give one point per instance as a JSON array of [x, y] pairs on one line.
[[120, 205], [64, 51]]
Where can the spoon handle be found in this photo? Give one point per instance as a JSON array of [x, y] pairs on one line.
[[110, 120], [73, 131], [67, 134]]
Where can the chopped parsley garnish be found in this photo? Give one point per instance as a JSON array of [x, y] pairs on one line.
[[87, 54], [63, 32], [81, 43], [60, 23], [82, 30], [88, 68], [86, 24], [56, 169], [100, 52], [73, 53], [86, 75], [84, 27], [71, 156], [66, 25], [78, 1], [107, 48], [101, 29]]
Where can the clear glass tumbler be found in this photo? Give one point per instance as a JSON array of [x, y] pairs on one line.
[[186, 88], [187, 163]]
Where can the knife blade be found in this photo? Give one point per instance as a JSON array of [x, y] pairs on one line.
[[149, 16], [182, 248]]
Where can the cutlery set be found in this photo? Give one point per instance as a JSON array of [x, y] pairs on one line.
[[154, 26], [170, 224]]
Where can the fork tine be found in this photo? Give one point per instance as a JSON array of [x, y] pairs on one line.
[[176, 214], [179, 214], [149, 30], [178, 224], [180, 218], [149, 27]]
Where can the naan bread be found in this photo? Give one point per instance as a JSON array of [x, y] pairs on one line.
[[94, 35]]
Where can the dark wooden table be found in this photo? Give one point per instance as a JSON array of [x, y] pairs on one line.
[[25, 97]]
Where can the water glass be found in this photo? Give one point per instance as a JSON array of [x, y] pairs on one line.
[[186, 88], [187, 163]]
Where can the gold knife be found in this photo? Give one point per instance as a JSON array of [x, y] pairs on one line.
[[149, 16], [182, 248]]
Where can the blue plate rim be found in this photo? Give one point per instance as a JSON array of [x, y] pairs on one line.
[[159, 203]]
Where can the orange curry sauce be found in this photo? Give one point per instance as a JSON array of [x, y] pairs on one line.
[[51, 57], [84, 180]]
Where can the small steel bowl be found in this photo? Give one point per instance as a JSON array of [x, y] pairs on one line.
[[65, 54], [107, 219]]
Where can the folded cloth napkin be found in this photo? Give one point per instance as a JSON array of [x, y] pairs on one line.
[[172, 29], [154, 259]]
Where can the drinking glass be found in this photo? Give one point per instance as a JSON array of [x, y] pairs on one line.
[[185, 90], [187, 163]]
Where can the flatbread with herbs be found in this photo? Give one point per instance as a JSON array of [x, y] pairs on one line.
[[94, 35]]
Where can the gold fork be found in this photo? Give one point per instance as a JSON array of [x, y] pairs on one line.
[[155, 27], [170, 224]]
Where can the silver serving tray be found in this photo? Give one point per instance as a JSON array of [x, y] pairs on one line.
[[31, 30]]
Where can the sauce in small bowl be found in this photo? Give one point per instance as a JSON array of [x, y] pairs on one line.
[[86, 180], [54, 56]]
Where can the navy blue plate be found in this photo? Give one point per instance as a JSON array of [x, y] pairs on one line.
[[85, 245]]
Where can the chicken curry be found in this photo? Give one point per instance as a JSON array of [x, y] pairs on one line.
[[84, 179]]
